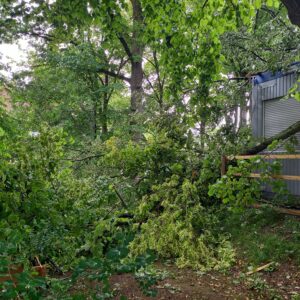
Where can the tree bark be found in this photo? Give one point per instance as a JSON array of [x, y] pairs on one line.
[[202, 134], [137, 49], [236, 119], [293, 129], [243, 115], [105, 108], [95, 127]]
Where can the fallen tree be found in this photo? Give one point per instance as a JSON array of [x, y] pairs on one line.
[[283, 135]]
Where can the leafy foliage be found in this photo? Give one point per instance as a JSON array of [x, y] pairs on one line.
[[33, 192], [177, 226], [239, 189], [111, 153]]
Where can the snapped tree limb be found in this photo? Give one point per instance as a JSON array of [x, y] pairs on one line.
[[283, 135]]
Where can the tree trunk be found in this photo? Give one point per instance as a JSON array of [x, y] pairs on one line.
[[243, 115], [137, 50], [95, 127], [293, 129], [236, 119], [243, 101], [202, 135], [228, 120], [105, 108]]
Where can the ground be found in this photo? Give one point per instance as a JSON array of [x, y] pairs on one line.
[[260, 237], [283, 282]]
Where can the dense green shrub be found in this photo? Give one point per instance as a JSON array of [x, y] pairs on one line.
[[45, 210]]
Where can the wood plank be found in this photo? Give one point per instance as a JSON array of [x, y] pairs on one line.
[[267, 156], [260, 268], [287, 211], [286, 177]]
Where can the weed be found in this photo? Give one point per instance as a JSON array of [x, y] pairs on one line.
[[147, 277], [255, 282]]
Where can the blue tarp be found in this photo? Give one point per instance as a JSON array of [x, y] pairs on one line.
[[269, 75]]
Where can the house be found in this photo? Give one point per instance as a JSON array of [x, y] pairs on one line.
[[272, 112]]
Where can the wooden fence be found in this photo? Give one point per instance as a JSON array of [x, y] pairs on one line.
[[226, 159]]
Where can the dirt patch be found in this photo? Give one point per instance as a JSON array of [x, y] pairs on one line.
[[281, 282], [181, 284], [285, 280]]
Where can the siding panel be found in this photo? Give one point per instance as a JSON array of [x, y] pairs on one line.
[[280, 114], [271, 114], [277, 87]]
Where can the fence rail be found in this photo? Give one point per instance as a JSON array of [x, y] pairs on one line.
[[266, 156], [226, 159]]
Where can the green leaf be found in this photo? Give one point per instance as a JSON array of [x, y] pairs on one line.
[[2, 132]]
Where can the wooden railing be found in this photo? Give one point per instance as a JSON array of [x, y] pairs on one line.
[[226, 159]]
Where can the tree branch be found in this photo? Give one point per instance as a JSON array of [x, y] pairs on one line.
[[120, 197], [252, 52], [204, 4], [152, 87], [232, 79], [83, 159], [45, 36], [283, 135], [126, 47], [112, 74]]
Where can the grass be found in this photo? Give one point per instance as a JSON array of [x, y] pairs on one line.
[[263, 235]]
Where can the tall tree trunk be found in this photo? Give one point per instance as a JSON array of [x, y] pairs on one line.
[[105, 107], [137, 49], [228, 120], [202, 135], [243, 102], [243, 115], [95, 127], [236, 119]]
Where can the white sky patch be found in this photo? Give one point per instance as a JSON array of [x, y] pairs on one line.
[[15, 57], [34, 133]]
